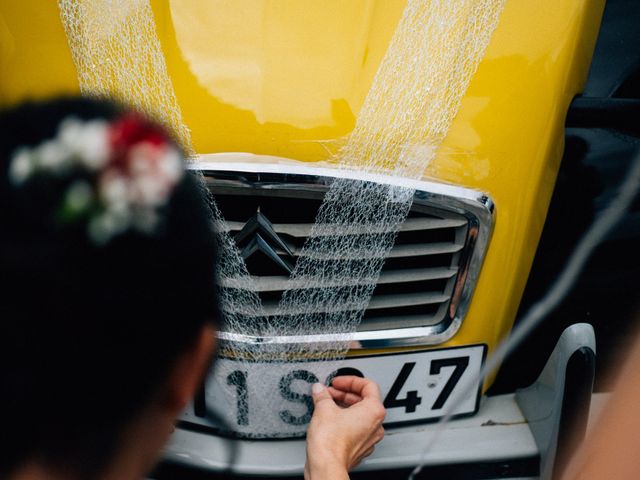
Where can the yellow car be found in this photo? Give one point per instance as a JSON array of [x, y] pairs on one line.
[[267, 94]]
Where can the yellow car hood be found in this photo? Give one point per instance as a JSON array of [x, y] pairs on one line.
[[287, 79]]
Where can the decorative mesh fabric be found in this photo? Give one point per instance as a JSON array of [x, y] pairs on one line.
[[117, 54], [415, 95]]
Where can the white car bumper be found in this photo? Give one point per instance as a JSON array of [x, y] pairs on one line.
[[511, 436]]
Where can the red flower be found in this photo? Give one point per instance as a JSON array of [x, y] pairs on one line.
[[129, 130]]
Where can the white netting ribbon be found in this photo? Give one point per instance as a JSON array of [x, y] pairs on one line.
[[416, 93]]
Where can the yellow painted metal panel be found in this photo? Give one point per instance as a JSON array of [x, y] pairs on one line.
[[34, 59], [287, 78]]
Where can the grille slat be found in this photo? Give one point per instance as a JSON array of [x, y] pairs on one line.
[[281, 282], [304, 229], [401, 300], [270, 308], [383, 322], [397, 251]]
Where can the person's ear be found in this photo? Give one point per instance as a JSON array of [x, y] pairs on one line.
[[189, 370]]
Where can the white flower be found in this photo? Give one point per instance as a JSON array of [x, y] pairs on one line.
[[150, 190], [171, 165], [22, 166], [92, 147], [88, 142], [114, 188], [70, 131], [141, 158], [154, 171], [52, 155]]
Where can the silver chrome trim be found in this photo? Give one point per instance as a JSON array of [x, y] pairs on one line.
[[284, 174]]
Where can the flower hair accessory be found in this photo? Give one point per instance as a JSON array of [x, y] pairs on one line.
[[126, 170]]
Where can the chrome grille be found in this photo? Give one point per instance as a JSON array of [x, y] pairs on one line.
[[425, 280]]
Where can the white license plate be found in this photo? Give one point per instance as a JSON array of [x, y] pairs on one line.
[[272, 400]]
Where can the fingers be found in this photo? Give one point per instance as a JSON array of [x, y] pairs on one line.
[[349, 390], [321, 395], [344, 398], [362, 387]]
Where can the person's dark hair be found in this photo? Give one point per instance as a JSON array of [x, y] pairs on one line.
[[88, 332]]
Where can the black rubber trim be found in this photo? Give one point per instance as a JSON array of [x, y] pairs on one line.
[[596, 112], [578, 387], [514, 468]]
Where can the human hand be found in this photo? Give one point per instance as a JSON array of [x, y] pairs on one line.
[[346, 425]]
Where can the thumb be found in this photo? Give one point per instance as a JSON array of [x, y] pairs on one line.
[[321, 395]]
